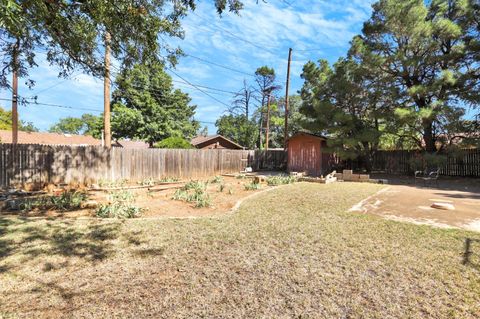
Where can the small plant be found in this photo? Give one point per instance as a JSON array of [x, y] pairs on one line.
[[194, 192], [221, 187], [112, 183], [147, 182], [65, 201], [168, 179], [217, 180], [281, 180], [252, 186], [121, 206], [241, 176], [230, 191]]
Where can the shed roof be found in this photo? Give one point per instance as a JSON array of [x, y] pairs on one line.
[[308, 134]]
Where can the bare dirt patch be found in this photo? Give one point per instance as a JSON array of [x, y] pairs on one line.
[[416, 204], [223, 192]]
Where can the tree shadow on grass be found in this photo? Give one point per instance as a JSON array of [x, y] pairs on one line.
[[93, 241], [471, 255]]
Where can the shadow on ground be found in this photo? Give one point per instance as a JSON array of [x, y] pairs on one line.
[[447, 183], [33, 238]]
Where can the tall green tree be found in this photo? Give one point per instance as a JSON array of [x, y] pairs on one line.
[[6, 122], [72, 32], [429, 51], [147, 107], [87, 124], [239, 129], [343, 103], [266, 84]]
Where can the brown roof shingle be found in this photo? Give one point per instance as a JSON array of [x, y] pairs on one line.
[[49, 138], [202, 139]]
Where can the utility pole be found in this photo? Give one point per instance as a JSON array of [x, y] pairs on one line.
[[287, 87], [15, 94], [106, 94], [268, 122]]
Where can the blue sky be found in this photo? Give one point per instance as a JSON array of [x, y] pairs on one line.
[[313, 28]]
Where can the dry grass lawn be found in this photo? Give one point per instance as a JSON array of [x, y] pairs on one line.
[[290, 252]]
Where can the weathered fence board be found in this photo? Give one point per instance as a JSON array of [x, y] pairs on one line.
[[464, 163], [43, 164]]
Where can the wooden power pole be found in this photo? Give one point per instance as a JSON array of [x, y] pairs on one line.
[[287, 87], [268, 123], [106, 95], [15, 94], [14, 107]]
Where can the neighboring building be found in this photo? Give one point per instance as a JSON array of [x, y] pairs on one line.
[[49, 138], [306, 154], [131, 144], [215, 141]]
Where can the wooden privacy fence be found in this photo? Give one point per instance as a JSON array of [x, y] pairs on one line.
[[464, 163], [44, 164]]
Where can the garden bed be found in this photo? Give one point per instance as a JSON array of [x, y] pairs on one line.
[[220, 194]]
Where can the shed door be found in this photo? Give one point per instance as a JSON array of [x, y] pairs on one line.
[[309, 158]]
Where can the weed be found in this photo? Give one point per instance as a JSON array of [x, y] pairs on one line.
[[121, 206], [112, 183], [147, 182], [230, 191], [241, 176], [281, 180], [168, 179], [221, 187], [65, 201], [217, 180], [252, 186], [194, 192]]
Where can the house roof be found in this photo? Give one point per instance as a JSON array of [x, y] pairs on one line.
[[202, 139], [309, 134], [131, 144], [49, 138]]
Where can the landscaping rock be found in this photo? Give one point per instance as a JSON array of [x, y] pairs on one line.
[[90, 204], [444, 206]]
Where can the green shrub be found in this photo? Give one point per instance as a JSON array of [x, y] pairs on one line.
[[281, 180], [194, 192], [121, 206], [168, 179], [217, 180], [147, 182], [112, 183], [427, 161], [252, 186], [66, 201], [174, 142]]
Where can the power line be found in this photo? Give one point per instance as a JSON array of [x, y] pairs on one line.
[[54, 105], [206, 87], [219, 65], [198, 88], [233, 34], [56, 84]]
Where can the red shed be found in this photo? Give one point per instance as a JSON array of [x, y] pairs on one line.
[[306, 153]]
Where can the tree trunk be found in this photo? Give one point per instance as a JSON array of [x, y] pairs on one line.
[[428, 136]]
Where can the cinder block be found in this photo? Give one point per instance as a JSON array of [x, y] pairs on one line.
[[347, 172], [339, 176], [364, 176], [355, 177]]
